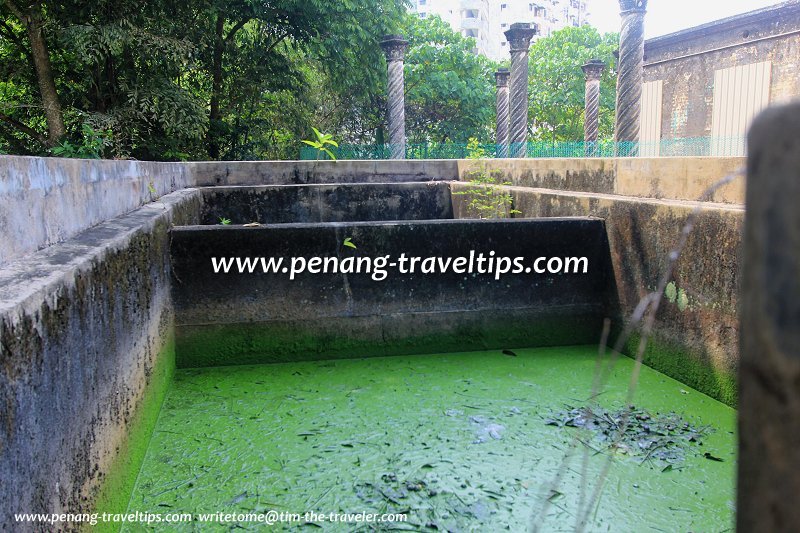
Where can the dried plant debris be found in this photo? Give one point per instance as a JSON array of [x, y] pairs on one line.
[[634, 432], [432, 507]]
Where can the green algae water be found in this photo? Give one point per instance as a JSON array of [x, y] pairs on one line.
[[458, 442]]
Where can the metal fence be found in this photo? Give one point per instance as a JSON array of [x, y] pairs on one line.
[[685, 147]]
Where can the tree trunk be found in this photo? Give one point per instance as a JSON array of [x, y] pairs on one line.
[[44, 75], [215, 115]]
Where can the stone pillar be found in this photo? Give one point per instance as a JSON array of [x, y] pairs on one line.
[[501, 139], [769, 367], [629, 75], [394, 46], [593, 69], [519, 39]]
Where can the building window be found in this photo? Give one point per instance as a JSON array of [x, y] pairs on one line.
[[504, 25], [423, 2], [503, 43], [503, 6], [423, 15]]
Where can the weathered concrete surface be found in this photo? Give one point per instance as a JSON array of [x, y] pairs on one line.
[[769, 409], [305, 172], [44, 201], [697, 344], [675, 178], [687, 61], [85, 347], [269, 317], [327, 203]]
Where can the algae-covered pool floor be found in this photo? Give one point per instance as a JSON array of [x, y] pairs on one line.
[[458, 442]]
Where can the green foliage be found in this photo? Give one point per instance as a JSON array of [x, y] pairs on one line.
[[151, 188], [556, 83], [349, 243], [487, 197], [683, 300], [450, 90], [321, 144], [93, 145], [176, 81], [671, 291], [224, 221], [474, 149], [676, 295]]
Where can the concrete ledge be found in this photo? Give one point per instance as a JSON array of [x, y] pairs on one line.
[[87, 352], [44, 201], [673, 178], [308, 172]]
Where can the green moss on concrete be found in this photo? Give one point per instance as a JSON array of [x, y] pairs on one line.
[[679, 364], [120, 480], [342, 338]]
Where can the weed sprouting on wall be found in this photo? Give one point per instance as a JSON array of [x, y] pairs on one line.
[[487, 196]]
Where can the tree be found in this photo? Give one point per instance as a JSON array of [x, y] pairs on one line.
[[450, 90], [31, 17], [226, 79], [556, 83], [261, 48]]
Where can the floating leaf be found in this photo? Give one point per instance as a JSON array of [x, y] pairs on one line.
[[348, 242]]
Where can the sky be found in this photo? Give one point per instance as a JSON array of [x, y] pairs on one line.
[[667, 16]]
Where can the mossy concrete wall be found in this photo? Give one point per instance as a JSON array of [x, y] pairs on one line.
[[86, 353], [696, 333], [279, 204], [233, 318]]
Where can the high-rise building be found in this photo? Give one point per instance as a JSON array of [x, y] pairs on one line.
[[487, 20]]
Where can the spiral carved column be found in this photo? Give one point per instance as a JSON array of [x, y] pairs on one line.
[[629, 75], [394, 46], [519, 39], [591, 122], [501, 77]]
